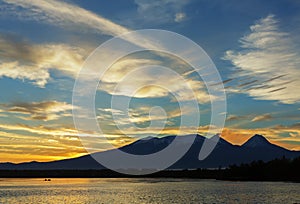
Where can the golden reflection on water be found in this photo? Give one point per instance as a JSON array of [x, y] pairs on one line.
[[122, 190]]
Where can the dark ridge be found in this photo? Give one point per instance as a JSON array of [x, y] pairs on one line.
[[223, 155], [275, 170]]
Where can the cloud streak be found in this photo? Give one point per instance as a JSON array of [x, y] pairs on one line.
[[45, 111], [72, 16], [17, 147], [23, 60], [35, 65], [161, 11], [154, 78], [67, 15], [268, 62], [235, 117], [264, 117], [20, 142]]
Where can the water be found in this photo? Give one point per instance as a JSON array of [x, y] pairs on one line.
[[145, 191]]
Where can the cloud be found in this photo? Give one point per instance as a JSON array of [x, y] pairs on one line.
[[29, 145], [161, 11], [267, 63], [159, 117], [143, 121], [71, 16], [20, 142], [295, 126], [147, 114], [111, 110], [16, 71], [17, 147], [68, 15], [235, 117], [25, 61], [35, 65], [262, 118], [179, 17], [153, 78], [46, 110], [63, 134]]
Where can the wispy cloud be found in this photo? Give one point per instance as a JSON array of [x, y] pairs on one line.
[[17, 147], [161, 11], [74, 17], [142, 114], [293, 130], [267, 63], [41, 130], [160, 123], [179, 17], [63, 132], [146, 78], [23, 60], [46, 110], [68, 15], [52, 142], [35, 65], [262, 118], [235, 117]]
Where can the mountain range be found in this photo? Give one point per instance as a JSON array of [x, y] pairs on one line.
[[224, 154]]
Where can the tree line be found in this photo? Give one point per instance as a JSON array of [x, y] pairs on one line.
[[282, 169]]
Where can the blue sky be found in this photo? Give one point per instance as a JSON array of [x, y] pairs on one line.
[[254, 44]]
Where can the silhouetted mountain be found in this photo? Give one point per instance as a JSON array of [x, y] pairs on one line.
[[224, 154], [257, 141]]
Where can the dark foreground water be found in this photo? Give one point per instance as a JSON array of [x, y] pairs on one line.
[[145, 191]]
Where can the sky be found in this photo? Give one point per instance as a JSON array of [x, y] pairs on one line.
[[255, 46]]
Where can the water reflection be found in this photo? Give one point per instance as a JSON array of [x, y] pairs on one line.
[[145, 191]]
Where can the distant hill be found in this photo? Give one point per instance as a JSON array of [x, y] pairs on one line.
[[224, 154]]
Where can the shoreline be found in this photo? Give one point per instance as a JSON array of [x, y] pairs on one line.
[[199, 174]]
